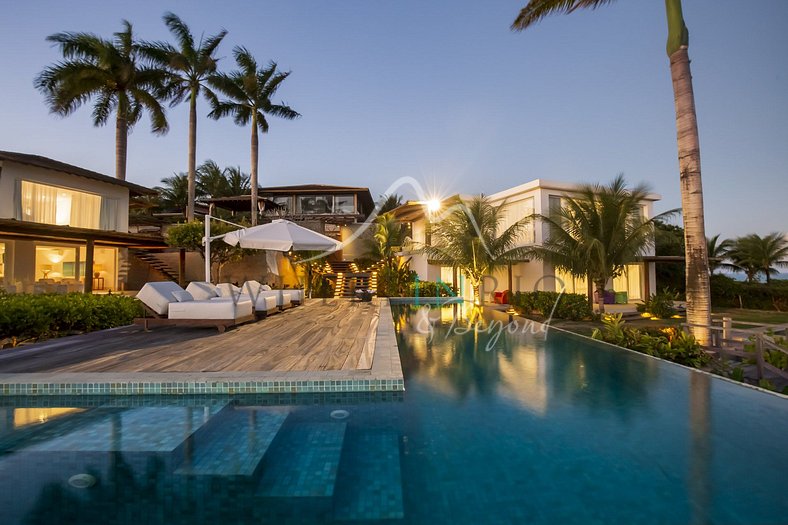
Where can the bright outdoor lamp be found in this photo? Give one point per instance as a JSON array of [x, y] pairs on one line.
[[433, 205]]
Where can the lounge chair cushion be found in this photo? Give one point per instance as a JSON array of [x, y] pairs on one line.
[[210, 310], [183, 296], [266, 287], [202, 291], [158, 295], [256, 290], [228, 290]]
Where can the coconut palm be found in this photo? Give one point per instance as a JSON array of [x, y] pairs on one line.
[[212, 180], [389, 202], [108, 72], [597, 231], [718, 251], [468, 236], [249, 91], [189, 66], [388, 236], [754, 254], [697, 263], [174, 192], [237, 181]]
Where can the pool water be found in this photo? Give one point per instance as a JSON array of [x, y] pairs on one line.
[[497, 425]]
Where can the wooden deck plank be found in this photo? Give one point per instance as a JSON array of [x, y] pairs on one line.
[[320, 335]]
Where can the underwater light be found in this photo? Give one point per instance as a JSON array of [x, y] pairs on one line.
[[82, 481], [339, 414]]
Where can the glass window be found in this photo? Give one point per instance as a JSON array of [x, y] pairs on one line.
[[315, 204], [2, 261], [52, 205], [283, 201], [344, 204]]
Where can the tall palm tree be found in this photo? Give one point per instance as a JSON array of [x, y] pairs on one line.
[[212, 180], [189, 66], [110, 73], [597, 231], [249, 91], [469, 237], [389, 202], [696, 259], [754, 254], [718, 251]]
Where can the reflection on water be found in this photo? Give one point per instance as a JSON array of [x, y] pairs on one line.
[[465, 350]]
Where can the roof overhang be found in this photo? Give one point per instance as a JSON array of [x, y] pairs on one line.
[[33, 231]]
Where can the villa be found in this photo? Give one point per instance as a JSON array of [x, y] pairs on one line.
[[538, 196], [64, 228]]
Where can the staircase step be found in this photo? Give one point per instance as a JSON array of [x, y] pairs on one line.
[[235, 444], [149, 429], [369, 484], [304, 462]]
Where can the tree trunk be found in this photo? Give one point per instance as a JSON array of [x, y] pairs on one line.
[[253, 178], [697, 262], [477, 293], [192, 176], [121, 144], [600, 295]]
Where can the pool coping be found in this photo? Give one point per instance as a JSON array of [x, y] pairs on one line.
[[385, 375]]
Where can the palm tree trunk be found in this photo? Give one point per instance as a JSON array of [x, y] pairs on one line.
[[192, 176], [253, 180], [121, 144], [600, 294], [697, 262]]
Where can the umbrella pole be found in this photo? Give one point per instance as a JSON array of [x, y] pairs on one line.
[[207, 248]]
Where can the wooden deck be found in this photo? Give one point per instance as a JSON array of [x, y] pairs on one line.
[[332, 334]]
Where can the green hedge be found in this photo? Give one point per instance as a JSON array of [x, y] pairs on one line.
[[570, 306], [26, 317], [727, 292]]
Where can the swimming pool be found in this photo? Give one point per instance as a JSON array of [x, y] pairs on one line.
[[494, 427]]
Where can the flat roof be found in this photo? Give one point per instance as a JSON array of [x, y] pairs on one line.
[[56, 165]]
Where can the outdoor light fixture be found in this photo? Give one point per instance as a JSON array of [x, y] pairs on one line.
[[433, 205]]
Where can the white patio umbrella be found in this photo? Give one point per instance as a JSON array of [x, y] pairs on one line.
[[281, 235]]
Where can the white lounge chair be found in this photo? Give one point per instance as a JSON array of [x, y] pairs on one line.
[[284, 299], [170, 304], [204, 291]]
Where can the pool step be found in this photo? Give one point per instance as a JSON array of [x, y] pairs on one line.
[[303, 461], [234, 442], [369, 484], [150, 429]]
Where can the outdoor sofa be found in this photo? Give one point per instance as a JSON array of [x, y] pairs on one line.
[[169, 304], [263, 304]]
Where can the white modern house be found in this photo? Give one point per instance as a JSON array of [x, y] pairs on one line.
[[537, 196], [64, 228]]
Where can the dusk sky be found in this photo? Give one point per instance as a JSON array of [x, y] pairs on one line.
[[444, 92]]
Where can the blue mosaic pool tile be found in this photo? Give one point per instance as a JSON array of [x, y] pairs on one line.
[[369, 484], [235, 444], [160, 429], [305, 461]]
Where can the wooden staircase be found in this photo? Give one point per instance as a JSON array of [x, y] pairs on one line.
[[154, 262]]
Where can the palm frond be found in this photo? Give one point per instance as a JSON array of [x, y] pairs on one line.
[[536, 10]]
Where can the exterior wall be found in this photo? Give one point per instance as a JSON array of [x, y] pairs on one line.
[[12, 171], [359, 247]]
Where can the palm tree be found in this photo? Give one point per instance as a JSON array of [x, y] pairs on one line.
[[174, 192], [212, 180], [249, 92], [696, 259], [468, 237], [718, 251], [188, 67], [389, 235], [108, 72], [754, 254], [597, 231], [237, 181], [389, 202]]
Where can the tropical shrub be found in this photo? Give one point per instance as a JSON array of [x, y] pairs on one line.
[[671, 343], [25, 317], [727, 292], [569, 306], [660, 304], [431, 289]]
